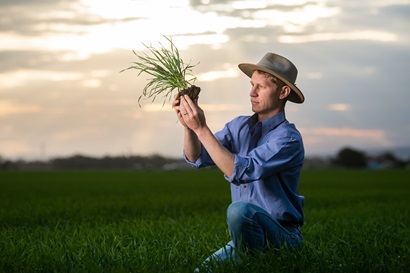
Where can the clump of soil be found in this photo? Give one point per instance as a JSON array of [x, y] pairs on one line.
[[192, 91]]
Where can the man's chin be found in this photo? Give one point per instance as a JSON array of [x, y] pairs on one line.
[[255, 109]]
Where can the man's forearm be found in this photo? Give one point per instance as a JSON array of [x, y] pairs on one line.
[[223, 158], [199, 134], [192, 146]]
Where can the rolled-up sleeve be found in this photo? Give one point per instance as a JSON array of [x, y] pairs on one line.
[[240, 165], [203, 161], [224, 137]]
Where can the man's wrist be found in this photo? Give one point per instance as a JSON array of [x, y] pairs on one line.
[[202, 132], [189, 130]]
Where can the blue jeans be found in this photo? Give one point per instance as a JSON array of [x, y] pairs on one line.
[[253, 229]]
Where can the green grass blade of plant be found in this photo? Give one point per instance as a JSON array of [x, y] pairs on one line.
[[153, 89], [171, 62], [178, 63], [160, 73], [173, 67], [166, 68]]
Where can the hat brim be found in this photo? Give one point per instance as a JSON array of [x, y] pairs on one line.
[[296, 96]]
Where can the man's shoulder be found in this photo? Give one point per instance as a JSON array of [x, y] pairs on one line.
[[240, 120], [288, 130]]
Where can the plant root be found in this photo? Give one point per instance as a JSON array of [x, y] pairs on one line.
[[192, 91]]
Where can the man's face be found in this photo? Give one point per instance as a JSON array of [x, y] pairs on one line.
[[265, 99]]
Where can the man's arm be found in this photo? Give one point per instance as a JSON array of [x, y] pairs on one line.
[[192, 145], [223, 158], [194, 119]]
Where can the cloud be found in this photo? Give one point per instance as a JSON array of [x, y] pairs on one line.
[[157, 107], [368, 35], [339, 107], [344, 136], [214, 75], [9, 108], [11, 148], [79, 133], [23, 76], [325, 140], [56, 17], [82, 27], [91, 83], [342, 132], [314, 75], [61, 61], [222, 107], [109, 102]]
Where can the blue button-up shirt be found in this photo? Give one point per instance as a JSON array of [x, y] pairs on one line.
[[267, 175]]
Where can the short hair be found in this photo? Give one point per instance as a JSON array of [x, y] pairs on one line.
[[278, 82]]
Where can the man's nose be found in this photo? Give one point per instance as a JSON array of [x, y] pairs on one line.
[[253, 92]]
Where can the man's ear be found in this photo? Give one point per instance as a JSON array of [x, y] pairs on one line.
[[284, 93]]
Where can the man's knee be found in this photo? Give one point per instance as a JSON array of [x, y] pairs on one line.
[[238, 212]]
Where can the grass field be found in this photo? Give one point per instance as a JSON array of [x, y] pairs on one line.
[[129, 221]]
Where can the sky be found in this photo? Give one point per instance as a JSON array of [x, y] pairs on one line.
[[62, 92]]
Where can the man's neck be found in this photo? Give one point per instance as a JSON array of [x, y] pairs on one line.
[[263, 116]]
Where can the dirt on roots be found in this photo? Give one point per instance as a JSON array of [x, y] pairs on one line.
[[192, 91]]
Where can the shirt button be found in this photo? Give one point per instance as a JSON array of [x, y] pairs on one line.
[[244, 186]]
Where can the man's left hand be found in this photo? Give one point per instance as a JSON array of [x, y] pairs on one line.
[[192, 114]]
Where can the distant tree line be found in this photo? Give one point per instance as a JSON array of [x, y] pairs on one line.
[[345, 158], [81, 162], [352, 158]]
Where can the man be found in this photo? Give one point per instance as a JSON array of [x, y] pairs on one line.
[[260, 155]]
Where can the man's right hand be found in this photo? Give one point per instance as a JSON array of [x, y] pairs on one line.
[[176, 106]]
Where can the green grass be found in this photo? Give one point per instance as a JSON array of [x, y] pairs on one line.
[[129, 221]]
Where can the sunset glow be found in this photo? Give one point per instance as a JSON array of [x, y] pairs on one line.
[[61, 86]]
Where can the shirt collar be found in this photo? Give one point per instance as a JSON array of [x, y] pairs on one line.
[[267, 124]]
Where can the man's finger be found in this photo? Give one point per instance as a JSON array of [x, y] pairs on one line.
[[190, 103], [184, 107], [187, 107]]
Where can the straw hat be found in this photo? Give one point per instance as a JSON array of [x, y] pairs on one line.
[[279, 67]]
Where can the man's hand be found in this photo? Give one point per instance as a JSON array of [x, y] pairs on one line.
[[191, 114], [192, 146], [177, 107]]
